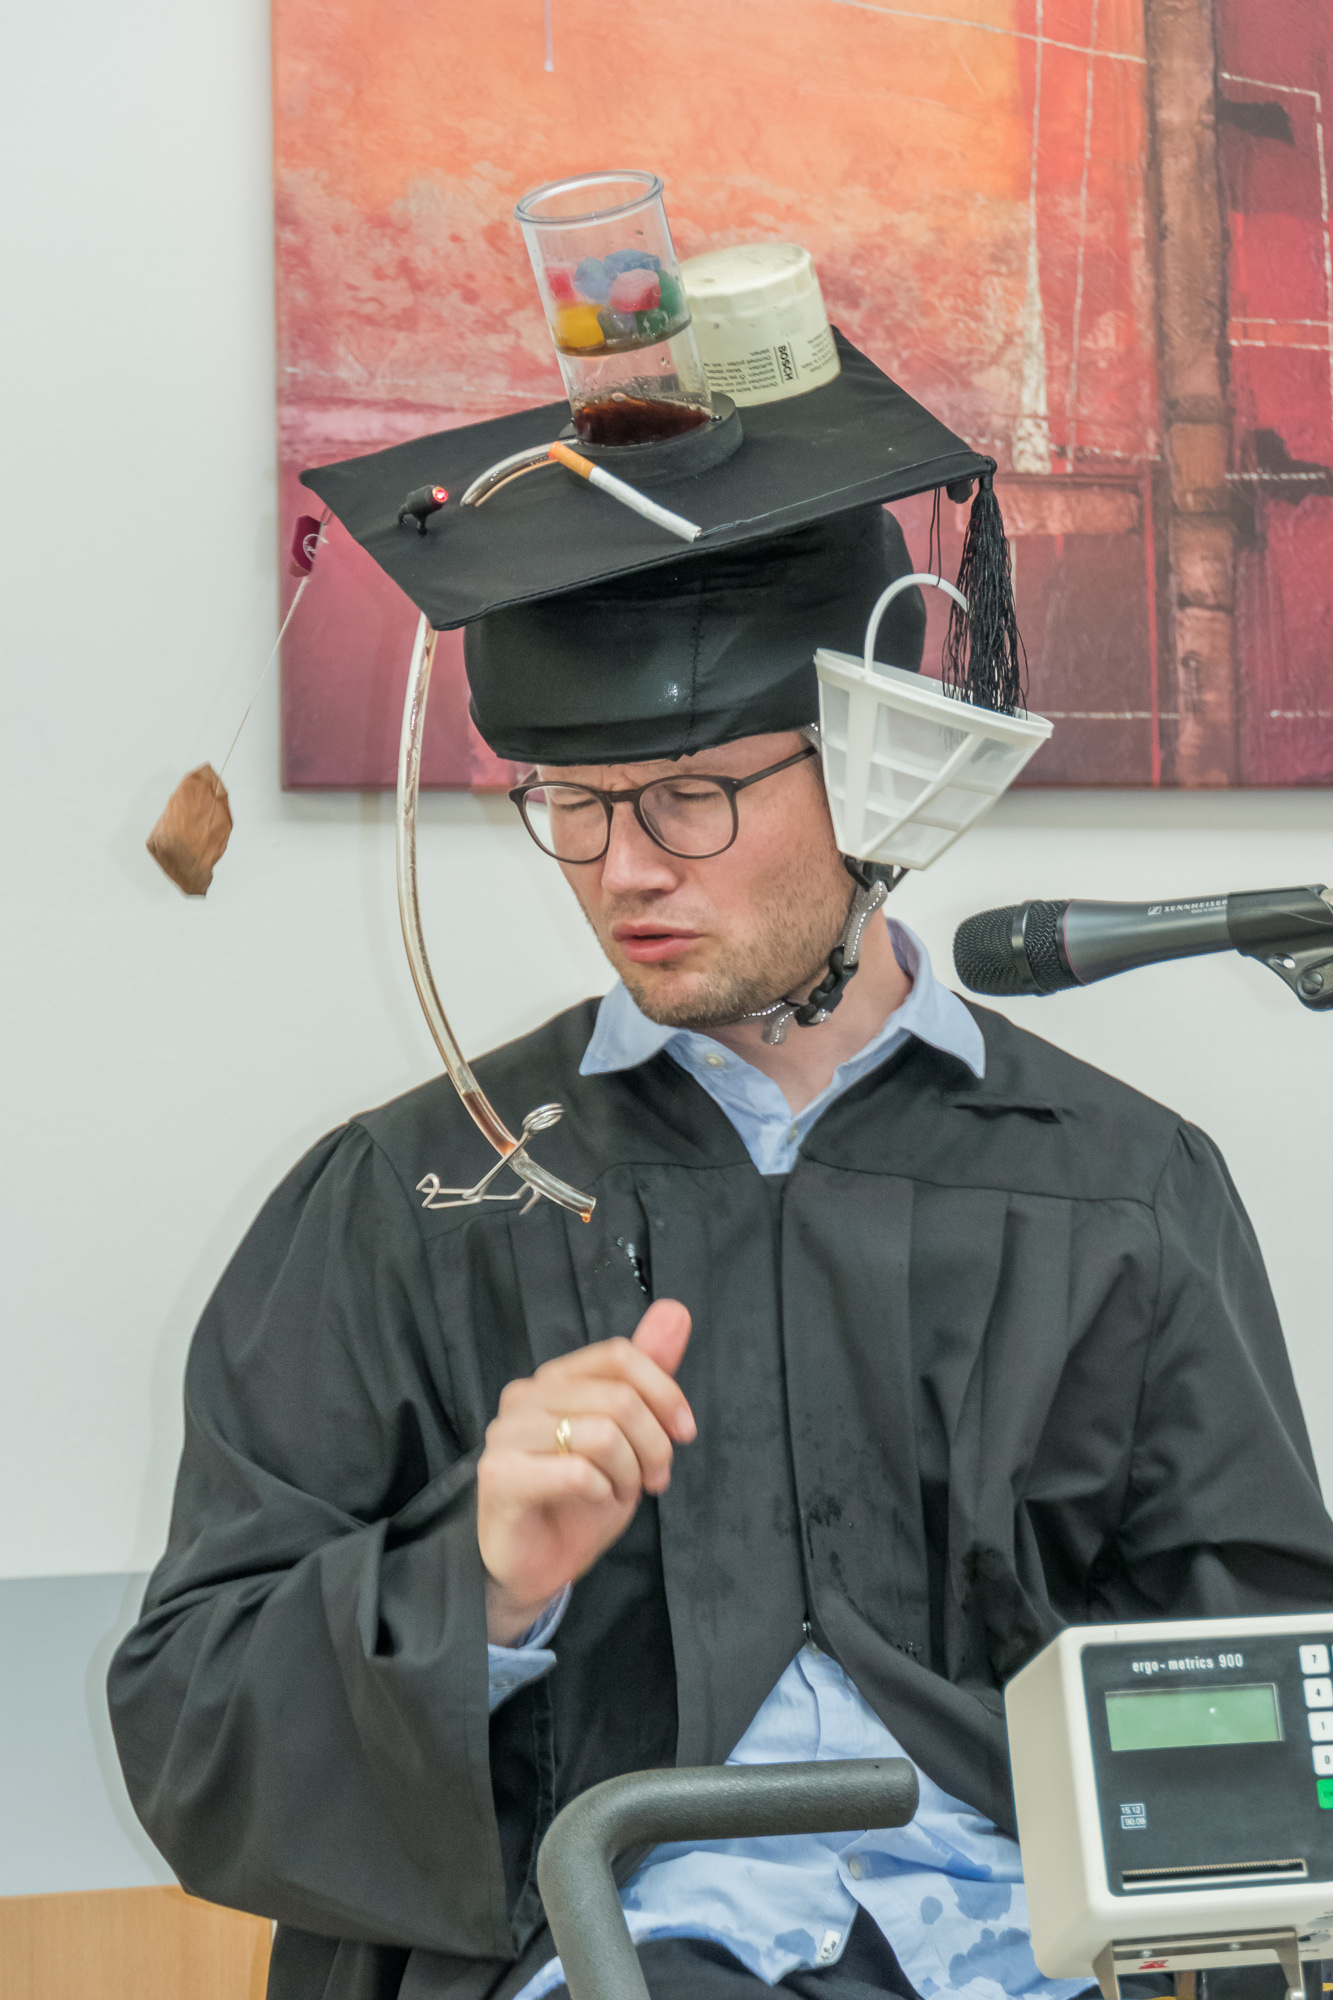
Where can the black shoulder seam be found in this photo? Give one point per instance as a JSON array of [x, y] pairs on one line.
[[1154, 1326], [1076, 1083], [359, 1124], [418, 1235], [978, 1187]]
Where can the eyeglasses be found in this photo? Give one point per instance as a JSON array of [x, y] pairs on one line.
[[692, 816]]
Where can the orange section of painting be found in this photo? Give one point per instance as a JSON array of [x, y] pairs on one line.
[[897, 148], [976, 182]]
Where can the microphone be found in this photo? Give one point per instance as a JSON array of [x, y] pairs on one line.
[[1044, 947]]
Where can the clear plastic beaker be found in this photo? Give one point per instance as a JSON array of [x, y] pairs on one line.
[[611, 287]]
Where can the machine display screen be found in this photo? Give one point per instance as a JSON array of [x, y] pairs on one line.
[[1180, 1718]]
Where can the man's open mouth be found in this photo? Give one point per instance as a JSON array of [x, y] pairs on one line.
[[648, 943]]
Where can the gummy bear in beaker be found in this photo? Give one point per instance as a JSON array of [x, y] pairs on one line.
[[616, 307]]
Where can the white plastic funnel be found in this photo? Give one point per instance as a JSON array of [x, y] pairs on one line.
[[909, 766]]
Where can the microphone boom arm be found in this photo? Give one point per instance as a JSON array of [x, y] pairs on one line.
[[1303, 960]]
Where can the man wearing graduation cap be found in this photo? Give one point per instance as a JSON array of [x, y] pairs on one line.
[[895, 1341]]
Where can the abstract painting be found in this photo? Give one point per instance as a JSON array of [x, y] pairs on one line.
[[1092, 235]]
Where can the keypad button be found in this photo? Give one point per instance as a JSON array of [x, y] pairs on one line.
[[1323, 1760], [1319, 1694], [1321, 1725], [1314, 1659], [1325, 1791]]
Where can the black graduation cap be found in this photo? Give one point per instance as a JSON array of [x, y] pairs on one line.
[[595, 636]]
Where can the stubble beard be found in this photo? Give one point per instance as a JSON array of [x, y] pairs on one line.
[[785, 954]]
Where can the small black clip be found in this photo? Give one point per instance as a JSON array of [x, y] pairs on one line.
[[421, 504], [866, 873], [819, 1004]]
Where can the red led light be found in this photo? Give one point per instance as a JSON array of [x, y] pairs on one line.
[[439, 494]]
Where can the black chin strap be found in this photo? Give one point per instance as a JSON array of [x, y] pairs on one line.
[[872, 887]]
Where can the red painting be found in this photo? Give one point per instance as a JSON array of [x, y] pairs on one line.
[[1091, 235]]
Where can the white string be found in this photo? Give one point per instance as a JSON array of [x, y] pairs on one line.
[[282, 631]]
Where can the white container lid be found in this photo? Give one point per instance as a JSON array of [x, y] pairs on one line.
[[747, 279], [759, 321]]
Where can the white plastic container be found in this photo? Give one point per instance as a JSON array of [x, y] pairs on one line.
[[759, 322], [908, 766]]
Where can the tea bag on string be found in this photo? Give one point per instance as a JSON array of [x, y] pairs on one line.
[[191, 835]]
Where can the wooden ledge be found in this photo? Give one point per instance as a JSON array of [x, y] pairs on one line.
[[130, 1944]]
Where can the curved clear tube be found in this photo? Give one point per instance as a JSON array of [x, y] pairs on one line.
[[505, 469], [512, 1151]]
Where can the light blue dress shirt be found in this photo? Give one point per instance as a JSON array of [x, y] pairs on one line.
[[753, 1102], [946, 1891]]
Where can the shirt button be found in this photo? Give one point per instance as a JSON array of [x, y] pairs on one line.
[[856, 1867], [716, 1061], [793, 1134]]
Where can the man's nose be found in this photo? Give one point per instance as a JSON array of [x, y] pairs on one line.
[[633, 863]]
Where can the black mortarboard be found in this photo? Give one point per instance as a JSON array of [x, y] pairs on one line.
[[698, 650], [596, 636]]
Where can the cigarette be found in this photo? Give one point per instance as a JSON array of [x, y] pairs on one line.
[[628, 496]]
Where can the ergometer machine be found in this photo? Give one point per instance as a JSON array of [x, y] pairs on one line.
[[1174, 1786]]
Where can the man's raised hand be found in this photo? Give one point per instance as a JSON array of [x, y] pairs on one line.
[[544, 1514]]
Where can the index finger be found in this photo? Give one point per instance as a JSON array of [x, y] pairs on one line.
[[619, 1360]]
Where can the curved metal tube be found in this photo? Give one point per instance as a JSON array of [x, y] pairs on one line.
[[487, 1119], [505, 469], [731, 1802]]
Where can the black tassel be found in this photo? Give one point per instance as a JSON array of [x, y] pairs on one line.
[[984, 657]]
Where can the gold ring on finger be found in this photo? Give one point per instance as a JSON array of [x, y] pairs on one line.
[[563, 1432]]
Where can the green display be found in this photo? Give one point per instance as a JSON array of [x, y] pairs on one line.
[[1182, 1718]]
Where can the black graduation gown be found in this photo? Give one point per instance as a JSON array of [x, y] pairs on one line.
[[994, 1357]]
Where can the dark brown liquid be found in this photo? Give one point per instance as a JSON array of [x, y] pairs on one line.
[[636, 420]]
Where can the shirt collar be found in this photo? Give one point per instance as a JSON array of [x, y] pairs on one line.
[[624, 1037]]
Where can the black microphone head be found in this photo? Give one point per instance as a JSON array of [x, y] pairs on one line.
[[1041, 946], [987, 961], [983, 954]]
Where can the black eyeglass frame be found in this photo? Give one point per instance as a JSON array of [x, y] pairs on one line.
[[634, 797]]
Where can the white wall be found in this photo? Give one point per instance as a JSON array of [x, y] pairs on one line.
[[165, 1060]]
